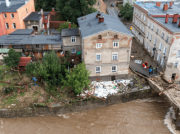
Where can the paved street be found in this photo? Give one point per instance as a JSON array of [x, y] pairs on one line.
[[112, 11]]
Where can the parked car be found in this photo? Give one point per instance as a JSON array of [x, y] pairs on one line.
[[112, 4], [119, 15]]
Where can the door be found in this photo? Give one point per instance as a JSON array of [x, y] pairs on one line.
[[113, 78], [45, 26], [173, 76], [46, 47]]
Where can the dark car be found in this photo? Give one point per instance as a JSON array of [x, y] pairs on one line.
[[112, 4]]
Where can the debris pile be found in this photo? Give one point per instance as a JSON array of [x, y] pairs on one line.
[[104, 89]]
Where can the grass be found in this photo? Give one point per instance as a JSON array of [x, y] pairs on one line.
[[22, 94]]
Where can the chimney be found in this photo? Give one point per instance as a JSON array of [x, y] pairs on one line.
[[69, 25], [98, 14], [7, 3], [179, 23], [167, 16], [171, 3], [158, 4], [41, 11], [101, 19], [175, 18], [53, 10], [165, 8]]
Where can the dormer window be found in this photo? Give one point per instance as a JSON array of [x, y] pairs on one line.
[[45, 17], [99, 37], [115, 36]]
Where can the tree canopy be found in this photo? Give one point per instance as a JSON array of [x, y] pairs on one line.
[[72, 9], [77, 79], [13, 58], [127, 11], [66, 25], [46, 5]]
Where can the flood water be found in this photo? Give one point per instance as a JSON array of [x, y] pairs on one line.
[[146, 116]]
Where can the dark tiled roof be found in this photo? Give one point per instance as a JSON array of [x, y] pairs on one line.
[[12, 8], [22, 32], [90, 24], [35, 16], [70, 32], [30, 39]]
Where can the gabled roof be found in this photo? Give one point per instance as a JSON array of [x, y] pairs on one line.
[[70, 32], [35, 16], [90, 24], [24, 61], [22, 32]]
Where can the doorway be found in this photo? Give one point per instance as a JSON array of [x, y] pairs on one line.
[[173, 76], [35, 28], [113, 78]]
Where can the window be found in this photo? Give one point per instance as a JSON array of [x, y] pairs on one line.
[[147, 34], [12, 15], [152, 26], [7, 26], [115, 44], [37, 46], [73, 50], [5, 16], [146, 45], [137, 12], [29, 22], [155, 41], [98, 57], [34, 22], [1, 46], [98, 3], [150, 37], [114, 68], [157, 31], [45, 17], [99, 37], [14, 26], [158, 56], [73, 39], [160, 46], [98, 69], [138, 23], [98, 45], [178, 54], [141, 15], [162, 62], [164, 51], [143, 28], [149, 48], [144, 18], [176, 64], [26, 10], [114, 57], [167, 39], [115, 36], [140, 26], [162, 35]]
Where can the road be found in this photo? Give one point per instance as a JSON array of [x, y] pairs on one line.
[[112, 11]]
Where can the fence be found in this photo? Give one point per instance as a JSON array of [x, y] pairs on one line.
[[76, 106]]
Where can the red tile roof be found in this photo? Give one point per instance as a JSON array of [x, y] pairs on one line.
[[24, 60]]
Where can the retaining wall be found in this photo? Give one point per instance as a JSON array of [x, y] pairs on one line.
[[77, 106]]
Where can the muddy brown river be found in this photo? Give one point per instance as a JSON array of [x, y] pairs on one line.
[[148, 116]]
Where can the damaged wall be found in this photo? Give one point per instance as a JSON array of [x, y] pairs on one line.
[[106, 51], [172, 59]]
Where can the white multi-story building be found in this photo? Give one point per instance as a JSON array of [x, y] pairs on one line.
[[157, 26]]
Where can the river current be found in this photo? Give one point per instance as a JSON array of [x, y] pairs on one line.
[[147, 116]]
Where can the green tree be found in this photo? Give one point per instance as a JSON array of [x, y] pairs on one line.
[[46, 5], [127, 12], [72, 9], [66, 25], [13, 58], [77, 79]]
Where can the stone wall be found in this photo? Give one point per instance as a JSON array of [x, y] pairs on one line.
[[77, 106]]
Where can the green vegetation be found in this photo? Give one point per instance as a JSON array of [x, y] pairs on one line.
[[127, 12], [77, 79], [73, 9], [46, 5], [13, 58], [66, 25]]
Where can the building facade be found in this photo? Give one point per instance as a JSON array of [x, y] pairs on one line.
[[157, 27], [106, 46], [12, 14]]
